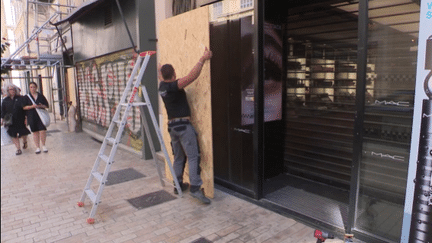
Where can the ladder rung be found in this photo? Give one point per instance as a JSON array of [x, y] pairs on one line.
[[104, 157], [111, 140], [97, 176], [134, 104], [91, 195]]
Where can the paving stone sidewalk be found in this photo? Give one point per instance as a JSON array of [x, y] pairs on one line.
[[39, 195]]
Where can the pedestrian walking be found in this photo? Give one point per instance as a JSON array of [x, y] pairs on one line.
[[13, 117], [33, 119], [72, 117], [184, 140]]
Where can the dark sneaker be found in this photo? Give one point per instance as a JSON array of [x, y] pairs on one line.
[[183, 186], [200, 196]]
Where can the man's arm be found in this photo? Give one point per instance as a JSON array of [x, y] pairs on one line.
[[196, 70]]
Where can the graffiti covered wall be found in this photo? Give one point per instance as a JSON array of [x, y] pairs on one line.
[[101, 82]]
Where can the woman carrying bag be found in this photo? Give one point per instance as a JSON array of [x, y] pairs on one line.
[[13, 117], [34, 101]]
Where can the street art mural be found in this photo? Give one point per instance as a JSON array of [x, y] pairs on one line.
[[101, 82]]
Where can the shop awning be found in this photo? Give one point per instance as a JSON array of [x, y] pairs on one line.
[[80, 11]]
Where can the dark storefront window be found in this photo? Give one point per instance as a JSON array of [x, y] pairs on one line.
[[390, 83]]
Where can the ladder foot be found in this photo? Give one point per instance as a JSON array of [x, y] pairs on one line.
[[80, 204], [90, 221]]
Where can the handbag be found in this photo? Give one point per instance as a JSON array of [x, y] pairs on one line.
[[7, 120], [43, 114]]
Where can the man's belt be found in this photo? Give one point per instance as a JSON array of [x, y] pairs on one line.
[[178, 121]]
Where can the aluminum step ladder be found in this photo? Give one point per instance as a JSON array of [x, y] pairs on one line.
[[115, 140]]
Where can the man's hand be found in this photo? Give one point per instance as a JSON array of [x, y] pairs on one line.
[[196, 70], [207, 55]]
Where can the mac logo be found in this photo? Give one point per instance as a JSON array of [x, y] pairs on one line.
[[426, 115], [393, 157], [398, 103]]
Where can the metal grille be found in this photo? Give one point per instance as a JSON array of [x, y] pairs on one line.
[[101, 82], [321, 48], [321, 95]]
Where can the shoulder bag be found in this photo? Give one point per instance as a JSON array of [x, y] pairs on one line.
[[7, 119], [43, 114]]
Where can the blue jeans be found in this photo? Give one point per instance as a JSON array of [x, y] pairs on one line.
[[185, 146]]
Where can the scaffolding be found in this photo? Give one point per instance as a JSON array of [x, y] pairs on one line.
[[46, 50]]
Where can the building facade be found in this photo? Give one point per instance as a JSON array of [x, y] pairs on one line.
[[313, 102], [104, 53]]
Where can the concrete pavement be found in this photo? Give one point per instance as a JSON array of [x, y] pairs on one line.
[[39, 195]]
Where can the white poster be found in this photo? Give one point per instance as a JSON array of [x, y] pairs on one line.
[[414, 221]]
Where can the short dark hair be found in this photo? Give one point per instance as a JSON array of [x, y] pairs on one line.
[[33, 83], [167, 71]]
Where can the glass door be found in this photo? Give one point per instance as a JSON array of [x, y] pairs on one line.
[[391, 74]]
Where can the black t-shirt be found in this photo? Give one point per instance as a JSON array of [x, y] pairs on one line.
[[175, 99]]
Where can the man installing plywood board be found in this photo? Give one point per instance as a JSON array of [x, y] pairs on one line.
[[182, 42]]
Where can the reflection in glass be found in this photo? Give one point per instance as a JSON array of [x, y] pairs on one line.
[[392, 55]]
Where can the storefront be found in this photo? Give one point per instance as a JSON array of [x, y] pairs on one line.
[[105, 52], [319, 99]]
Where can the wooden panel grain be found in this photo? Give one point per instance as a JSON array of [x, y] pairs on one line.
[[181, 42]]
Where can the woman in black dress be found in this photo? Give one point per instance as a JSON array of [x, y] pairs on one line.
[[33, 120], [13, 104]]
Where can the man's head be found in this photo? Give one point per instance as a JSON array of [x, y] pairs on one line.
[[168, 72]]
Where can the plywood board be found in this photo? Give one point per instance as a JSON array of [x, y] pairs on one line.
[[181, 42]]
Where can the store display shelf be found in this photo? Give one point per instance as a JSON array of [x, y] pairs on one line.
[[343, 87], [345, 79]]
